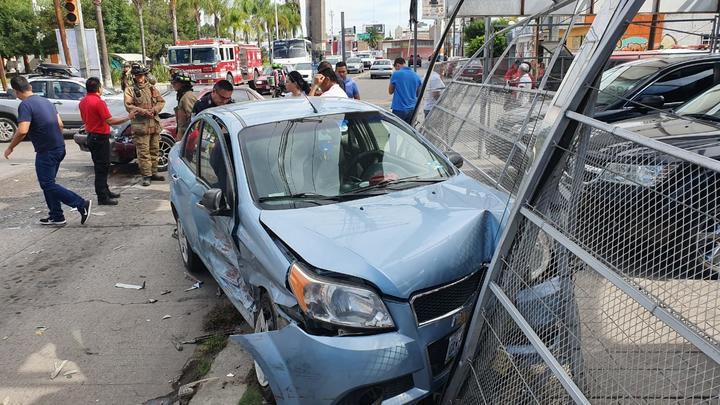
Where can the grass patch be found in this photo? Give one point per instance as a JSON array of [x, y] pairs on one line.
[[213, 345], [252, 396], [223, 317]]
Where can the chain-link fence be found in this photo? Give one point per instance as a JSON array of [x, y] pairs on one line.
[[605, 286]]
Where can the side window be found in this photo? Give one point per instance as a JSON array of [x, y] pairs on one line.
[[231, 53], [68, 90], [212, 160], [191, 143], [39, 87], [683, 84]]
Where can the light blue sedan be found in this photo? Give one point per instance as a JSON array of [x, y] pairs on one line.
[[352, 245]]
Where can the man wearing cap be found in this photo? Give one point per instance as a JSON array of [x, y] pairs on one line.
[[182, 83], [145, 101]]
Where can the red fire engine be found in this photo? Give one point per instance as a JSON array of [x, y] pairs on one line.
[[210, 60]]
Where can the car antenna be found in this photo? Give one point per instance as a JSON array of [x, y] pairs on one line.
[[311, 104]]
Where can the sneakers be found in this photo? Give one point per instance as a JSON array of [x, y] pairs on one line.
[[110, 194], [157, 177], [54, 222], [146, 181], [85, 211], [107, 201]]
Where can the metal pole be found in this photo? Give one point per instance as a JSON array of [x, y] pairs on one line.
[[342, 34], [489, 42], [653, 25], [415, 54], [63, 36], [454, 40], [107, 77], [82, 46]]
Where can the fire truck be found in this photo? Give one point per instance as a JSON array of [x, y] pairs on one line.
[[210, 60]]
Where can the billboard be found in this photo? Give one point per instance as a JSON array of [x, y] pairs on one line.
[[508, 8], [379, 27], [433, 11]]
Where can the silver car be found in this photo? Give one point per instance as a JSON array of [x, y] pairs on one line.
[[355, 65], [381, 68]]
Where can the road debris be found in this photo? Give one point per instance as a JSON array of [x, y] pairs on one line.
[[34, 252], [230, 375], [58, 369], [4, 338], [166, 317], [40, 330], [165, 292], [178, 346], [69, 374], [152, 301], [194, 286], [118, 247], [189, 388], [174, 234], [99, 214], [219, 292], [130, 286]]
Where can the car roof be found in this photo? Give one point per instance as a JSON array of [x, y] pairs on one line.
[[265, 112], [671, 60]]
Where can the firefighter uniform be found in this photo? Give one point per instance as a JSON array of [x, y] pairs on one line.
[[145, 129]]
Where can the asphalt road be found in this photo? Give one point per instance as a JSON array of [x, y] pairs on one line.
[[58, 300], [376, 90]]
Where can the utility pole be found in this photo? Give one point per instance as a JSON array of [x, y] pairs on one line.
[[332, 33], [107, 77], [413, 25], [342, 34], [277, 29], [82, 46], [61, 28]]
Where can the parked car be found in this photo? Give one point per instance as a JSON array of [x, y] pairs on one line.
[[370, 302], [122, 148], [333, 59], [381, 68], [662, 82], [473, 72], [616, 170], [414, 60], [355, 65], [64, 92], [366, 58], [261, 84], [306, 70]]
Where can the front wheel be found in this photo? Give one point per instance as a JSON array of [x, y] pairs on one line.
[[265, 321], [7, 128], [166, 143]]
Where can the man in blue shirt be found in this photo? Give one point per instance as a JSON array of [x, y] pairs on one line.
[[405, 88], [351, 88], [39, 121]]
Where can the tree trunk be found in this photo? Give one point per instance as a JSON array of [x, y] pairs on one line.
[[142, 33], [3, 79], [107, 77], [26, 64], [173, 14], [197, 23], [217, 26]]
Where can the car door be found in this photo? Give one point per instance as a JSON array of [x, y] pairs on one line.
[[216, 231], [66, 96], [184, 179]]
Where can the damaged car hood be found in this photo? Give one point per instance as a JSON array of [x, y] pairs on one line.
[[402, 241]]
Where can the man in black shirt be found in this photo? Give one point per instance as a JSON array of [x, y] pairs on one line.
[[221, 94]]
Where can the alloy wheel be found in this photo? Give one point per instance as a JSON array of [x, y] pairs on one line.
[[163, 159], [183, 242], [7, 129]]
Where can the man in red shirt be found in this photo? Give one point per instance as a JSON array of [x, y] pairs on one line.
[[97, 120]]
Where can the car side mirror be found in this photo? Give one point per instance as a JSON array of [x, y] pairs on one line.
[[455, 159], [165, 115], [649, 102], [213, 202]]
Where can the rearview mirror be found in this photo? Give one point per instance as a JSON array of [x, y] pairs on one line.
[[212, 201], [165, 115], [455, 159], [649, 102]]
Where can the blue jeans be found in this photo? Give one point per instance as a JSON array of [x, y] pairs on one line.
[[404, 115], [46, 168]]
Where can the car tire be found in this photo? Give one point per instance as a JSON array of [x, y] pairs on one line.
[[265, 321], [189, 257], [7, 128], [166, 143]]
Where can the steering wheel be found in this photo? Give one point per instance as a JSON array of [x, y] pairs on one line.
[[364, 159], [378, 172]]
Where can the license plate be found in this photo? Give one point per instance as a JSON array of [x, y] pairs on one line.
[[454, 344]]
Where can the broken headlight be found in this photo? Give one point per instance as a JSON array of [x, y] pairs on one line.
[[337, 303]]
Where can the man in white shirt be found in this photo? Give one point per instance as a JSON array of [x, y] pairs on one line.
[[326, 80], [525, 82], [434, 88]]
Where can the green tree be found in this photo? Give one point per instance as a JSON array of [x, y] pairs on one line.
[[478, 42], [474, 34], [374, 37], [193, 8], [218, 9]]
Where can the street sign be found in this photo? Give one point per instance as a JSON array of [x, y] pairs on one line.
[[432, 11], [363, 36]]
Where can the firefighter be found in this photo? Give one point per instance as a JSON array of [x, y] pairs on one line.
[[183, 85], [126, 77], [145, 100]]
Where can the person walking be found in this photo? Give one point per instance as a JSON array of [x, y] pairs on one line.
[[327, 81], [97, 120], [145, 101], [186, 99], [39, 120], [351, 88], [221, 94], [405, 88], [296, 85], [434, 89]]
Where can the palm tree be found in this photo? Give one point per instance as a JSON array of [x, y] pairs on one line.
[[374, 37], [216, 8], [195, 8], [173, 15], [139, 7]]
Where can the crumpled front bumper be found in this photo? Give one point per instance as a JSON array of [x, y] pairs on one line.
[[308, 369]]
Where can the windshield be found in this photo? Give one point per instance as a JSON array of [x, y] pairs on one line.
[[289, 49], [303, 66], [619, 80], [335, 155], [381, 62], [707, 103], [179, 56], [204, 55], [354, 60]]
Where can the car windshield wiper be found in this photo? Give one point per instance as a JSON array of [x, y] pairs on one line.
[[311, 197], [703, 117], [385, 183]]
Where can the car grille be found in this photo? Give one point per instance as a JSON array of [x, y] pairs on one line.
[[441, 301]]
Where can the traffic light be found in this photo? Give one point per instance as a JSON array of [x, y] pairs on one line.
[[71, 11]]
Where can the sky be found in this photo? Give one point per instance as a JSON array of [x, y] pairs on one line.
[[358, 12]]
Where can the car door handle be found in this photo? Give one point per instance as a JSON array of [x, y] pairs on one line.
[[175, 177], [57, 102]]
